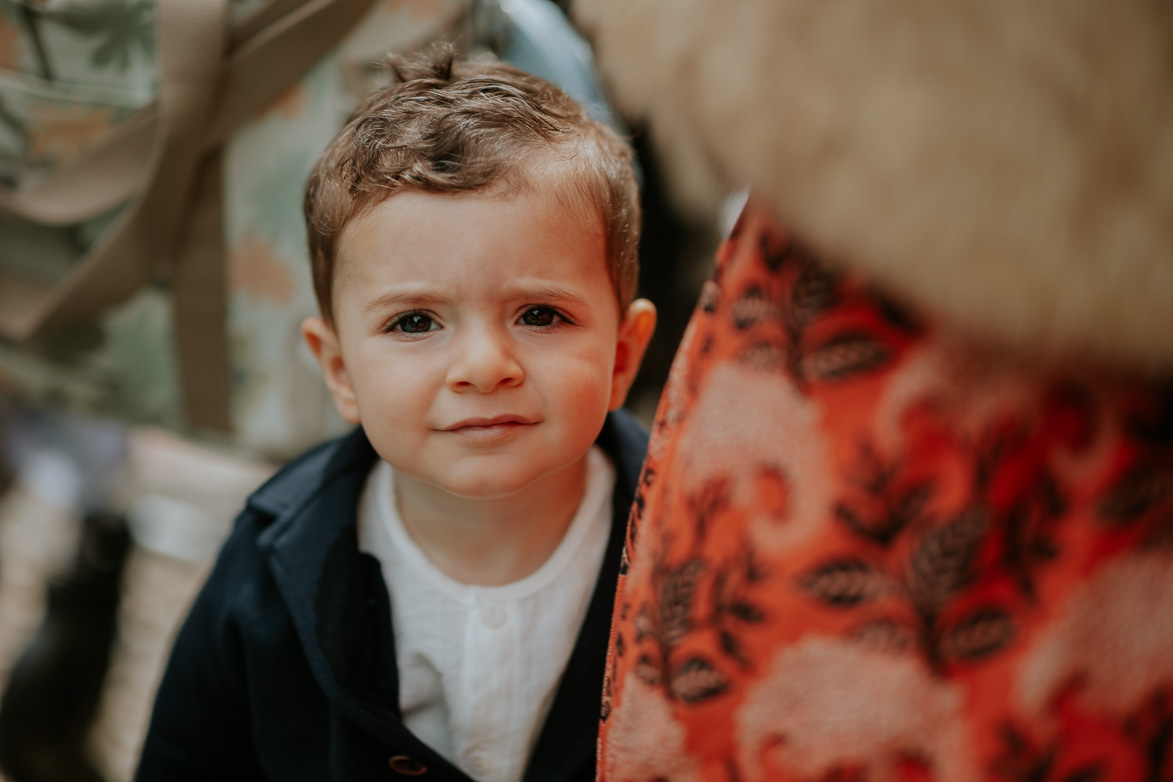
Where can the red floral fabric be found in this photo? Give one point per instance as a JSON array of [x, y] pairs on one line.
[[865, 549]]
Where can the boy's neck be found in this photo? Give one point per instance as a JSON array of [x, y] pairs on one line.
[[491, 542]]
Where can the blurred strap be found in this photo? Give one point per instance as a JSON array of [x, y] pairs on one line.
[[275, 57], [198, 286]]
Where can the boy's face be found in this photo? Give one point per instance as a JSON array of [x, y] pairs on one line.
[[477, 337]]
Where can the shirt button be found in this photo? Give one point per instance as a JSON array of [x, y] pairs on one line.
[[479, 762], [408, 767], [492, 615]]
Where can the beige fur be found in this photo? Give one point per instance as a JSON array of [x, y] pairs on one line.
[[1007, 164]]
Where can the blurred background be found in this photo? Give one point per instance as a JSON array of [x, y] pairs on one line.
[[153, 274]]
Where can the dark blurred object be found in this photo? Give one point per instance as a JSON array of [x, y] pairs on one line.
[[55, 688], [7, 471], [674, 252]]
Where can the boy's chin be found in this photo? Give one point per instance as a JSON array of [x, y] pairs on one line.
[[497, 485]]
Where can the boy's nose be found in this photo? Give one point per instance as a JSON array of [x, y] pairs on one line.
[[484, 362]]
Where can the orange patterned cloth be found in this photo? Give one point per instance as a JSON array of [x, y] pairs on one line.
[[866, 549]]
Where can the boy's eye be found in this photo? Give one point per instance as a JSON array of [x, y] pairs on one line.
[[540, 316], [412, 323]]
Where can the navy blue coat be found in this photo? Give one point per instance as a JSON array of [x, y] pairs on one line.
[[285, 668]]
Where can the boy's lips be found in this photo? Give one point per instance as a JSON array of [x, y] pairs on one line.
[[489, 429], [484, 423]]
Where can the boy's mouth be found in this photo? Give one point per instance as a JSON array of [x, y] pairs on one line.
[[489, 428], [481, 423]]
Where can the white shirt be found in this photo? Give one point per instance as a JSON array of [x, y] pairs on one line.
[[479, 666]]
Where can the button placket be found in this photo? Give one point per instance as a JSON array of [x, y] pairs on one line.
[[492, 615], [479, 762]]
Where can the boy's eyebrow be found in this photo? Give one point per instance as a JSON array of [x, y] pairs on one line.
[[537, 293], [544, 292], [410, 296]]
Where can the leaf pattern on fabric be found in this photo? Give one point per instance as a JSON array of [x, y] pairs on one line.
[[895, 315], [697, 680], [705, 505], [1029, 542], [676, 599], [775, 251], [752, 309], [765, 356], [710, 297], [942, 564], [662, 625], [845, 356], [644, 628], [815, 292], [885, 635], [1028, 522], [886, 502], [883, 528], [1149, 421], [647, 670], [978, 635], [937, 571], [845, 583], [734, 608], [1150, 730], [1139, 491], [647, 480], [733, 648], [746, 612], [1021, 759]]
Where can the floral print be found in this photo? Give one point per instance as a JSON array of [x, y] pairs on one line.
[[865, 547]]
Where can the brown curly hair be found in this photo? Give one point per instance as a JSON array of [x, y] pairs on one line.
[[446, 126]]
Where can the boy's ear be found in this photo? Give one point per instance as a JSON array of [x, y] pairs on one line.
[[634, 332], [323, 343]]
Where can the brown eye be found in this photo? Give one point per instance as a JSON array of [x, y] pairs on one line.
[[413, 323], [539, 317]]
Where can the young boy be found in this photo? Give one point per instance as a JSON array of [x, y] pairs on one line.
[[431, 595]]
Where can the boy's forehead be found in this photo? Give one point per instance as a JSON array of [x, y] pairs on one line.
[[579, 223]]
